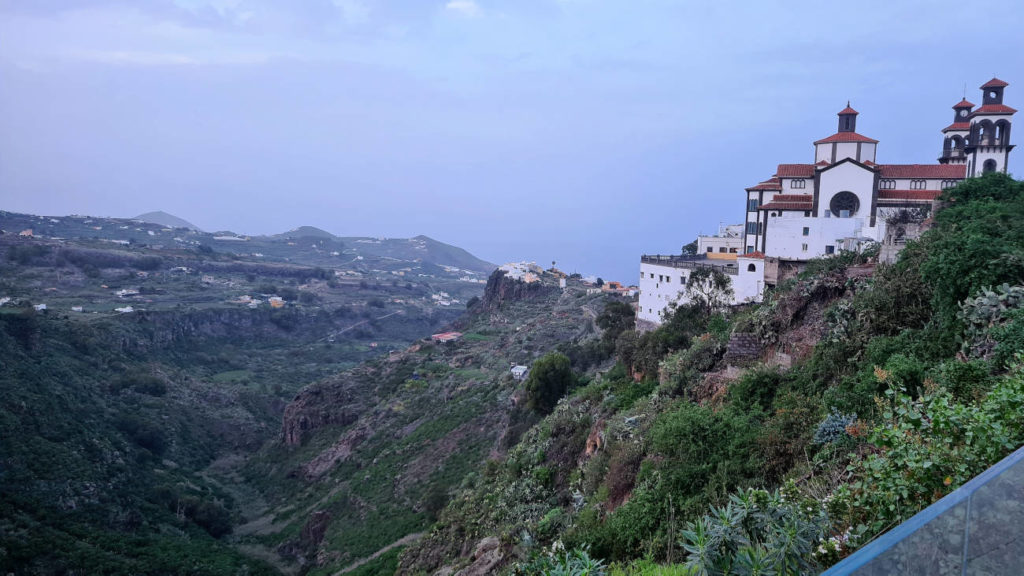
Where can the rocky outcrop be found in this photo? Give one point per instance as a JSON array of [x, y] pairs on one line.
[[336, 454], [502, 289], [743, 347], [486, 557], [331, 404]]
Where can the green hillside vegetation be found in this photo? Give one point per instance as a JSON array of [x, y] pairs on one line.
[[898, 383]]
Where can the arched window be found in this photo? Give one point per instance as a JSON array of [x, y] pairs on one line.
[[751, 268], [798, 183], [988, 166], [986, 133], [958, 144], [918, 184], [1002, 132], [887, 184], [946, 184]]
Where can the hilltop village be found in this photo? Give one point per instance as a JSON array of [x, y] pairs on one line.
[[845, 200]]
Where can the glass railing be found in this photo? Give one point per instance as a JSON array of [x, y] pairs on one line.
[[978, 530]]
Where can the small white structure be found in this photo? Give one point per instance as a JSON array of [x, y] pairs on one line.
[[125, 310], [40, 307], [519, 372], [76, 308]]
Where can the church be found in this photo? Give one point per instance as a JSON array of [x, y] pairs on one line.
[[840, 201]]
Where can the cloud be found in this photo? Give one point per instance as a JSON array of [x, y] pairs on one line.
[[464, 8], [353, 11]]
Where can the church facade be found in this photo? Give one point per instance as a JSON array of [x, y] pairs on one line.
[[840, 201]]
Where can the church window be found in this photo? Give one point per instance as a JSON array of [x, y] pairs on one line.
[[807, 231], [988, 166], [760, 227], [918, 184], [845, 204], [751, 227], [828, 213], [751, 268], [798, 183], [750, 249], [752, 205], [803, 247], [946, 184], [830, 249], [887, 184]]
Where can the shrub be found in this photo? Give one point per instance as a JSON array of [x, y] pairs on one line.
[[833, 427], [550, 379]]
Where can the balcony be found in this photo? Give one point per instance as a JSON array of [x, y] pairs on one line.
[[691, 262]]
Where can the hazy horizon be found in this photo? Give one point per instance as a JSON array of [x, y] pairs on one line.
[[579, 131]]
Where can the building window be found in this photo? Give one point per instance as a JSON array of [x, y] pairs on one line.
[[668, 279], [682, 279], [807, 231], [710, 249], [807, 213], [887, 184], [752, 205], [751, 268], [751, 227], [750, 249], [733, 250], [722, 249], [918, 184], [798, 183], [947, 184], [988, 166], [828, 214], [803, 247], [652, 275], [830, 249], [760, 227]]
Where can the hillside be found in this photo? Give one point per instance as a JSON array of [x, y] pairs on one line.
[[367, 458], [849, 400], [167, 220]]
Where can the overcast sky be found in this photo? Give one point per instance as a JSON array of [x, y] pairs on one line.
[[582, 131]]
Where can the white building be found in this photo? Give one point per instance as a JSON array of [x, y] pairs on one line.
[[729, 240], [839, 202]]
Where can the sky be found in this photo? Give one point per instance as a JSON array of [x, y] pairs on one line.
[[585, 132]]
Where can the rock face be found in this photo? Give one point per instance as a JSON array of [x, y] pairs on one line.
[[501, 289], [743, 346], [486, 556], [329, 404]]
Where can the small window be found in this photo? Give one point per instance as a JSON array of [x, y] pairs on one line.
[[682, 279], [751, 268], [887, 184], [652, 275], [798, 183], [751, 227], [828, 214], [830, 249], [750, 249], [760, 228], [947, 184], [918, 184], [807, 213], [668, 279], [988, 166], [722, 250], [733, 250], [752, 205], [803, 247], [710, 249], [807, 231]]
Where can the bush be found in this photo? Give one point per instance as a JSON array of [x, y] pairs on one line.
[[833, 427], [550, 379]]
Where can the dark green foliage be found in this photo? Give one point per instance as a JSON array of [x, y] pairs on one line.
[[28, 254], [756, 389], [143, 433], [549, 380], [709, 289]]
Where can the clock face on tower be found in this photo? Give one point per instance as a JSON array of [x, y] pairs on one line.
[[844, 204], [963, 113]]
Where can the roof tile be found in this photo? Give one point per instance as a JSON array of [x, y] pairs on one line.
[[994, 83], [795, 171], [945, 171], [846, 137]]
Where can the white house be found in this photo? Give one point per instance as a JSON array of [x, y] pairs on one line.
[[519, 371]]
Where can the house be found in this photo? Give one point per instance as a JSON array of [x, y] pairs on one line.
[[76, 309], [845, 199], [519, 372], [445, 337], [124, 310], [26, 232], [276, 302], [40, 307]]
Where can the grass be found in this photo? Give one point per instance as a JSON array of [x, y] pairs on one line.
[[648, 568]]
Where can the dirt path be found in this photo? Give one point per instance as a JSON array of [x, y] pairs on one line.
[[400, 542], [357, 324]]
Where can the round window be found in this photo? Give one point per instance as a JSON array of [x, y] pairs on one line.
[[991, 94], [844, 204]]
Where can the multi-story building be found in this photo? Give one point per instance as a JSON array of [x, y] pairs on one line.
[[839, 202]]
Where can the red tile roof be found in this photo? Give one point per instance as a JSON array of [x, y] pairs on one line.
[[869, 163], [957, 126], [769, 184], [792, 198], [798, 206], [757, 255], [993, 109], [847, 110], [823, 163], [963, 104], [945, 171], [994, 83], [795, 171], [908, 194], [846, 137]]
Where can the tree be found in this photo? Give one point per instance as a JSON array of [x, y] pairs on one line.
[[600, 282], [690, 249], [709, 289], [550, 378]]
